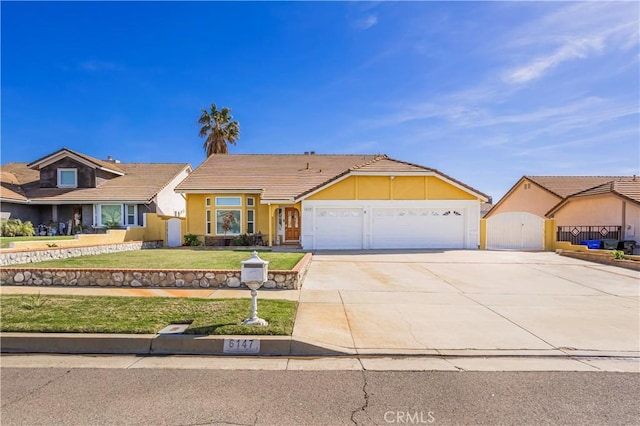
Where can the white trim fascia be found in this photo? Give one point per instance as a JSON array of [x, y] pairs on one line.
[[280, 202], [464, 188], [218, 191], [52, 159], [420, 173], [9, 200], [49, 203], [315, 191]]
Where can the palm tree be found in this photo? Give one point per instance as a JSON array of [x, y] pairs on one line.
[[218, 129]]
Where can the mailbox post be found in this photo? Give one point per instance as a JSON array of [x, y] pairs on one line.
[[254, 273]]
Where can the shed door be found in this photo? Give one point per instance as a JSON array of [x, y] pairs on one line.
[[515, 231], [338, 228]]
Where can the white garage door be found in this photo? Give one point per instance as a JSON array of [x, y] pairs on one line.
[[515, 231], [338, 228], [418, 228]]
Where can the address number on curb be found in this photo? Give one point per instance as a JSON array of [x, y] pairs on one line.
[[241, 346]]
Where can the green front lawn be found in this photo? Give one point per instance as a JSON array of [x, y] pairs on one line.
[[173, 259], [4, 241], [141, 315]]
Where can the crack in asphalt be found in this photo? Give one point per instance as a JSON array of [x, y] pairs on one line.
[[366, 396], [35, 390]]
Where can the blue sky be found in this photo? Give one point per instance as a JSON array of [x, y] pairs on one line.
[[483, 91]]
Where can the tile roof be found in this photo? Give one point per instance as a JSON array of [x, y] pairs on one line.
[[289, 176], [141, 182], [10, 187], [276, 176], [628, 187], [564, 186]]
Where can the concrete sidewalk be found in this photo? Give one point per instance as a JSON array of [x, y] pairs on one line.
[[464, 304]]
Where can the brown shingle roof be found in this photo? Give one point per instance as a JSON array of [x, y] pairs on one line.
[[140, 183], [288, 176], [563, 186]]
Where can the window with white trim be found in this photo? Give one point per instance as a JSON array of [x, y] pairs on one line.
[[228, 201], [67, 178], [250, 201], [207, 202], [208, 222], [250, 221], [110, 214], [131, 216]]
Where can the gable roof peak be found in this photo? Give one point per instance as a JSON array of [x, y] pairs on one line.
[[90, 161]]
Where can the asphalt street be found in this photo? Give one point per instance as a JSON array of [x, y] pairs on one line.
[[151, 396]]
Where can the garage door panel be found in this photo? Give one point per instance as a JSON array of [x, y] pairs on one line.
[[417, 228], [339, 228]]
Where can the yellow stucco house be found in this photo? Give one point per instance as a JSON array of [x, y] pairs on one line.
[[331, 202], [577, 207]]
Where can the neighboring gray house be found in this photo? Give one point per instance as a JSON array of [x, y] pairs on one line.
[[70, 188]]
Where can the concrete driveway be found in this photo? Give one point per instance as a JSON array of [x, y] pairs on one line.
[[457, 302]]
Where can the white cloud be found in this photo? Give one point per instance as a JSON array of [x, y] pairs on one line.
[[367, 22], [574, 32], [574, 49]]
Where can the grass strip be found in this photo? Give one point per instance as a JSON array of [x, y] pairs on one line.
[[141, 315], [173, 259]]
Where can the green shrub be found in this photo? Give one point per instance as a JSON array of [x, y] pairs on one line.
[[242, 240], [16, 228], [618, 254], [192, 240]]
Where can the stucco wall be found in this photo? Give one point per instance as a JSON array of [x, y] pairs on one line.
[[168, 201], [533, 200], [155, 230], [601, 210], [388, 188], [196, 216]]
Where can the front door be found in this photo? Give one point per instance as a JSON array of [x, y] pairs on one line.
[[291, 224]]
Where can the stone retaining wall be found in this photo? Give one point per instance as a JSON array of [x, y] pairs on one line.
[[603, 258], [16, 257], [147, 277]]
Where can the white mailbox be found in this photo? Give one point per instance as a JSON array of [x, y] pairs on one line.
[[254, 269], [253, 273]]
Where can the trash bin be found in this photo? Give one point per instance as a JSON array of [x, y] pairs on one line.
[[609, 244], [592, 244], [627, 246]]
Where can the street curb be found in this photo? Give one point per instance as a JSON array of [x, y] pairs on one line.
[[154, 344], [181, 344]]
